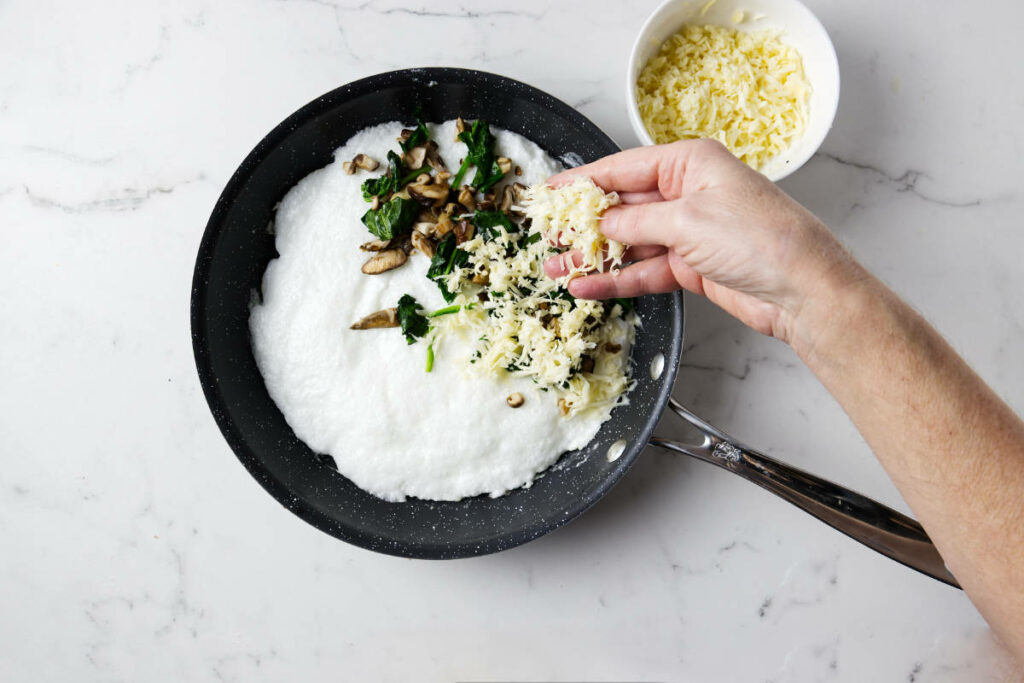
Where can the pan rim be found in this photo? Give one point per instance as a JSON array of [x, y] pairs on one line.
[[218, 404]]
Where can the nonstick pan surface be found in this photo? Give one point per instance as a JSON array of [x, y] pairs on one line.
[[234, 253]]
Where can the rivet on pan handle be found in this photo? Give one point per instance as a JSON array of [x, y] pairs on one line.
[[879, 527]]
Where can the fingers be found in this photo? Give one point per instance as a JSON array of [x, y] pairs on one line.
[[644, 224], [651, 276], [634, 170], [638, 169], [641, 197], [562, 264]]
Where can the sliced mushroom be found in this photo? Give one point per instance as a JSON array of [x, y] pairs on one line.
[[374, 203], [444, 223], [427, 193], [433, 158], [485, 206], [425, 228], [518, 191], [349, 168], [365, 162], [404, 135], [384, 261], [386, 318], [424, 244], [506, 199], [375, 245], [415, 157], [427, 214], [464, 231], [466, 198], [505, 164], [515, 399], [460, 126], [612, 348], [519, 170]]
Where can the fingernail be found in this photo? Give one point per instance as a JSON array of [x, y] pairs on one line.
[[609, 221]]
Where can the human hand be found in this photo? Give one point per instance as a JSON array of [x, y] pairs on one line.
[[699, 219]]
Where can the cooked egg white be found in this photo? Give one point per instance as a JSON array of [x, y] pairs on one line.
[[363, 396]]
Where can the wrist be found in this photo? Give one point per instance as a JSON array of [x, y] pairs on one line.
[[832, 299]]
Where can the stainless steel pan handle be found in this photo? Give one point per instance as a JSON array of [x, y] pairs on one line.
[[880, 528]]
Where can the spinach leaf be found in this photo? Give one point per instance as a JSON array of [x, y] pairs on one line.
[[448, 310], [397, 177], [392, 218], [532, 238], [488, 223], [414, 325], [446, 257], [419, 136], [387, 183], [480, 153], [627, 304]]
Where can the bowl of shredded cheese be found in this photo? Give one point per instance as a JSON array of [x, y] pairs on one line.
[[760, 76]]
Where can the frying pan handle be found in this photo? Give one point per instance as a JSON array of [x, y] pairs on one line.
[[878, 527]]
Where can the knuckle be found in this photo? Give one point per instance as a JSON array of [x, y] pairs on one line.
[[710, 146]]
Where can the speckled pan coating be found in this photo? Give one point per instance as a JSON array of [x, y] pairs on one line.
[[237, 246]]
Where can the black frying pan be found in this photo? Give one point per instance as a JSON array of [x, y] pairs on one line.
[[234, 253]]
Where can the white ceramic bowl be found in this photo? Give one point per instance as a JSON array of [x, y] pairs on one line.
[[800, 28]]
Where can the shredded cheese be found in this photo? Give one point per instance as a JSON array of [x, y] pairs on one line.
[[528, 325], [746, 89], [570, 216]]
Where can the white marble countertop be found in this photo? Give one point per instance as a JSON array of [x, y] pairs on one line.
[[133, 546]]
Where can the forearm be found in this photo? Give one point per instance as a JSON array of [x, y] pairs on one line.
[[720, 229], [953, 448]]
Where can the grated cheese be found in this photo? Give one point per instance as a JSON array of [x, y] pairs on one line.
[[746, 89], [570, 216], [529, 326]]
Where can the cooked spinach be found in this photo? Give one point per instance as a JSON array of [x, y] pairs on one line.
[[392, 219], [448, 310], [488, 222], [387, 183], [396, 177], [532, 238], [446, 257], [627, 304], [414, 324], [479, 153], [419, 136]]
